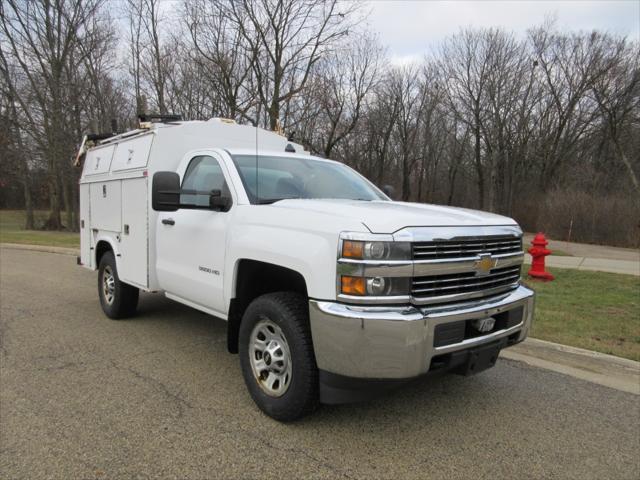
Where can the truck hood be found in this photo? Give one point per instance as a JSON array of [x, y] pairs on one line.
[[389, 217]]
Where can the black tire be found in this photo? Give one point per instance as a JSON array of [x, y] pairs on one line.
[[124, 297], [290, 312]]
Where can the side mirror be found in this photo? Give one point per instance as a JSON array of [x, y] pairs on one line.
[[165, 192], [218, 202], [389, 191]]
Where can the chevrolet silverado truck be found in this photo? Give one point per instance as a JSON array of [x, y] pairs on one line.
[[332, 291]]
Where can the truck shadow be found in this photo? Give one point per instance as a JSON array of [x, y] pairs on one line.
[[155, 308], [483, 418], [421, 403]]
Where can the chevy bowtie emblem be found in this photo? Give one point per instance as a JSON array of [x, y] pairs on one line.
[[485, 264]]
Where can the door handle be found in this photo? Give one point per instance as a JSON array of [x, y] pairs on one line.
[[168, 221]]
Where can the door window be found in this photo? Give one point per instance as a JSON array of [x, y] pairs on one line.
[[203, 174]]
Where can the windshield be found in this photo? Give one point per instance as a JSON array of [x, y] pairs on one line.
[[279, 178]]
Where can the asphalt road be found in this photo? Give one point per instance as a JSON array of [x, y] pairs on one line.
[[158, 396]]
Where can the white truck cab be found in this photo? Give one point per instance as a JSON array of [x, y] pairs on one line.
[[332, 292]]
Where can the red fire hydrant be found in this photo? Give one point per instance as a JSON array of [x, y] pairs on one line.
[[538, 252]]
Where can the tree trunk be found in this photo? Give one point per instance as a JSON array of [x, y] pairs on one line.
[[66, 197], [627, 163], [274, 114], [421, 180], [53, 222], [29, 223], [452, 184], [406, 186], [479, 170], [380, 175], [23, 162]]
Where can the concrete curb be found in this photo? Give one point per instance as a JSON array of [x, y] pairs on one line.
[[614, 372], [41, 248], [625, 267]]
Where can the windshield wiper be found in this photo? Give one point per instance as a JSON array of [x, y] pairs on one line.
[[269, 201]]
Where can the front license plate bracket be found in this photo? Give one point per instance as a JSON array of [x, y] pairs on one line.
[[481, 358]]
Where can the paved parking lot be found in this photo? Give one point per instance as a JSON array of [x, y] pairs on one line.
[[158, 396]]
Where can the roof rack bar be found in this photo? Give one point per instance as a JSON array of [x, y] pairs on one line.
[[159, 118], [95, 137]]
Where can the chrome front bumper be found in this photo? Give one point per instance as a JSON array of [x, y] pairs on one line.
[[398, 342]]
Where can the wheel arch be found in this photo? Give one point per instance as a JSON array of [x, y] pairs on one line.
[[102, 246], [253, 278]]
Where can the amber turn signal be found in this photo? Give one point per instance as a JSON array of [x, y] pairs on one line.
[[352, 249], [353, 285]]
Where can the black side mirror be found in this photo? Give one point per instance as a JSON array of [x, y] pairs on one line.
[[389, 191], [165, 192], [218, 202]]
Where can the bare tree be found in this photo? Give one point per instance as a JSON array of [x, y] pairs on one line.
[[618, 96], [288, 38], [465, 62], [568, 69], [224, 57], [434, 134], [150, 57], [343, 82], [410, 99], [486, 121], [379, 125], [41, 45], [14, 155], [507, 81]]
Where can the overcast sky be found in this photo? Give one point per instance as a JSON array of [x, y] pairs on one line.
[[410, 28]]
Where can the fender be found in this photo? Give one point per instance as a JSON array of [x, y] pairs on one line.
[[304, 252], [233, 280]]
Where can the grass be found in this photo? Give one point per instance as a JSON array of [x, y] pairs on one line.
[[12, 231], [593, 310]]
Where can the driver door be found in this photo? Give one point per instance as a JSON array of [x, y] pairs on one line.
[[191, 242]]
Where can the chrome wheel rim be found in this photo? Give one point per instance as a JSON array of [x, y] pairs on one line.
[[270, 358], [108, 285]]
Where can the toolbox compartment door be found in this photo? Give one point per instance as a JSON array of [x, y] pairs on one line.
[[132, 154], [106, 205], [85, 225], [98, 160], [134, 240]]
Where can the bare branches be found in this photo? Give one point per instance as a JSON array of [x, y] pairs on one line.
[[340, 91], [285, 39], [485, 121], [43, 57], [150, 60], [617, 93]]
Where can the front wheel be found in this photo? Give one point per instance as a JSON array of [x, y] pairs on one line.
[[118, 300], [276, 356]]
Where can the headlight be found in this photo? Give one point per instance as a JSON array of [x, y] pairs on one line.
[[375, 268], [374, 286], [359, 250]]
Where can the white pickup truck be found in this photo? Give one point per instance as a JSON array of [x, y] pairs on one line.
[[332, 292]]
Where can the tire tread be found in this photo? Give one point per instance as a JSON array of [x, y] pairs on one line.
[[126, 302], [296, 314]]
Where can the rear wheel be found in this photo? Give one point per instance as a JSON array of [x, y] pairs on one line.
[[276, 355], [118, 300]]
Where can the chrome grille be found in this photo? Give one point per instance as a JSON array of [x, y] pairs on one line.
[[466, 247], [468, 284]]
